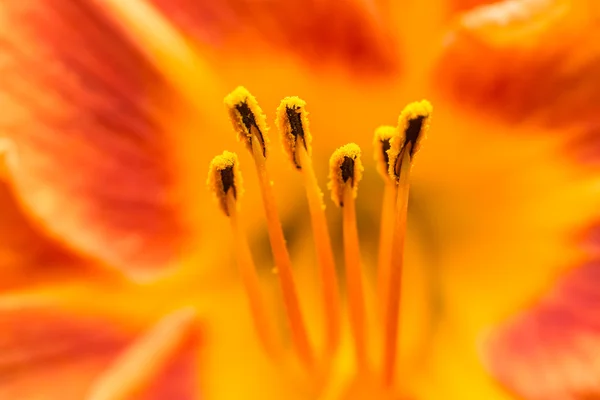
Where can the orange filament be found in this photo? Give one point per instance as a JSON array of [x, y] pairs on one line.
[[263, 325], [392, 308], [145, 359], [282, 259], [327, 273], [356, 301], [386, 236]]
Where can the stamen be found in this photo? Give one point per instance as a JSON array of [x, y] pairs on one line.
[[292, 123], [249, 122], [345, 173], [145, 359], [381, 143], [225, 180], [413, 124]]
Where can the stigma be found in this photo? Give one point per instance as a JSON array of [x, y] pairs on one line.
[[395, 150]]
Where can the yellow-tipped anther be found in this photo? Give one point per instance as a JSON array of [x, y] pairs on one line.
[[247, 118], [413, 125], [224, 176], [345, 168], [292, 123], [381, 143]]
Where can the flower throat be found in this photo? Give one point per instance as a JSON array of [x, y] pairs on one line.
[[395, 148]]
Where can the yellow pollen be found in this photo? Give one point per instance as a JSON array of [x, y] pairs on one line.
[[345, 169], [292, 123], [381, 144], [247, 118], [413, 125], [395, 148], [224, 176]]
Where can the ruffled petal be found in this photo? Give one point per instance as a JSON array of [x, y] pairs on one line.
[[82, 106], [319, 32], [550, 351], [525, 60], [52, 353]]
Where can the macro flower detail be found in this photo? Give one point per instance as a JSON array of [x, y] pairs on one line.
[[346, 171], [112, 109]]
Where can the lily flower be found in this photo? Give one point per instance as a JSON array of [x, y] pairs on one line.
[[482, 285]]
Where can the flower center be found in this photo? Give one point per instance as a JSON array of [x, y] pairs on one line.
[[395, 150]]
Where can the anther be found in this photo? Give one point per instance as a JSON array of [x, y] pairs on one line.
[[223, 177], [345, 168], [382, 143], [413, 125], [248, 119], [292, 123]]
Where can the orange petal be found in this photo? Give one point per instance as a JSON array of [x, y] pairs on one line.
[[585, 148], [463, 5], [526, 60], [159, 365], [319, 31], [550, 352], [54, 354], [82, 106], [27, 257], [591, 239]]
